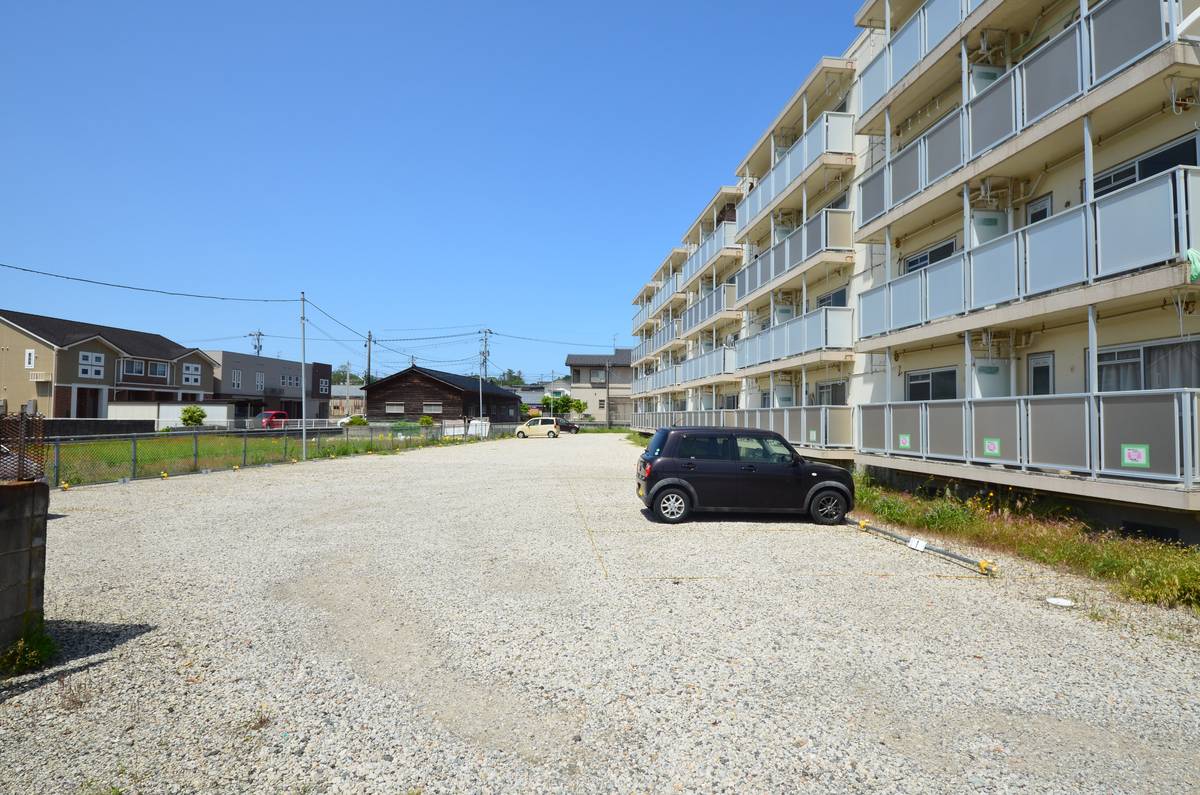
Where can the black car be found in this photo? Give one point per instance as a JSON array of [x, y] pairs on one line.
[[736, 469], [566, 425]]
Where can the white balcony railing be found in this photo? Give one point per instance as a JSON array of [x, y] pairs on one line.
[[703, 308], [716, 362], [828, 230], [828, 327], [661, 379], [719, 238], [38, 376], [665, 335], [1046, 256], [1114, 34], [641, 316], [813, 427], [669, 287], [831, 132], [1143, 435]]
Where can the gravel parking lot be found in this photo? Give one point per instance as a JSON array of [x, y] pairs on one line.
[[504, 617]]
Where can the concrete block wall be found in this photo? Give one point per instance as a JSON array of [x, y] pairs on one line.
[[23, 508]]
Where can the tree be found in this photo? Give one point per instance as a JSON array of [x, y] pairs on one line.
[[509, 377], [344, 373], [192, 416], [563, 405]]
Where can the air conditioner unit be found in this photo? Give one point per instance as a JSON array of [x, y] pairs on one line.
[[981, 76]]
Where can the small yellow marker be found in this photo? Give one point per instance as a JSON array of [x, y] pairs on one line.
[[66, 486], [293, 460], [165, 475], [987, 567], [236, 467], [862, 524]]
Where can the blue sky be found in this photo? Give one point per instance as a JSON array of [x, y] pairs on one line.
[[409, 165]]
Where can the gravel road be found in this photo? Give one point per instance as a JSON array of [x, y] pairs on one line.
[[503, 617]]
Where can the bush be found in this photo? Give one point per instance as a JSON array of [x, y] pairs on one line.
[[357, 420], [32, 650], [192, 416], [426, 421]]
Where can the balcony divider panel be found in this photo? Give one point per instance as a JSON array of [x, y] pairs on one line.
[[874, 82], [873, 428], [1058, 432], [996, 431], [907, 429], [1135, 226], [992, 114], [944, 294], [871, 196], [1054, 251], [905, 300], [946, 419], [839, 426], [943, 147], [994, 272], [906, 172], [1148, 421], [1122, 31], [814, 331], [1051, 76], [872, 312], [814, 431]]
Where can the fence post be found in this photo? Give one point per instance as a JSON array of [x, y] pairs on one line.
[[56, 462], [245, 439], [195, 450], [285, 453], [133, 458]]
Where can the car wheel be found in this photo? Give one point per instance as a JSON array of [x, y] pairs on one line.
[[828, 507], [520, 434], [672, 506], [552, 435], [575, 431]]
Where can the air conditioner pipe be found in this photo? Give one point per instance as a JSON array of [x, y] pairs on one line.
[[985, 567]]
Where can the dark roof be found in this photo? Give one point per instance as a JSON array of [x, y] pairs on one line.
[[621, 357], [63, 333], [466, 383]]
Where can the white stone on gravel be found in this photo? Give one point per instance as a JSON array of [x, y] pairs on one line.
[[504, 617]]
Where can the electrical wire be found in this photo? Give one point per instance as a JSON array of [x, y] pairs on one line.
[[438, 328], [434, 337], [151, 289], [334, 319], [551, 342]]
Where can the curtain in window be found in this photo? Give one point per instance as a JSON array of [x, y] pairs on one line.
[[1172, 366], [1118, 376]]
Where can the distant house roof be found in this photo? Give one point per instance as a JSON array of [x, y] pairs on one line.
[[466, 383], [621, 357], [63, 333], [343, 391]]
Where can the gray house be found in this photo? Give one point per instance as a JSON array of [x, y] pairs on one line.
[[262, 383]]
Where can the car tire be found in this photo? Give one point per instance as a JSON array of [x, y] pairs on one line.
[[575, 431], [672, 506], [520, 434], [552, 435], [828, 506]]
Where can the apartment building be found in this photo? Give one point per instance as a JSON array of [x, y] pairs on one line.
[[602, 382], [989, 280], [74, 369], [259, 383]]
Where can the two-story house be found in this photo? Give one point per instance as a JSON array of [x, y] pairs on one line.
[[603, 382], [74, 368], [261, 383]]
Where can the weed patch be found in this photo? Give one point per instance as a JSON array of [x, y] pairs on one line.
[[32, 650]]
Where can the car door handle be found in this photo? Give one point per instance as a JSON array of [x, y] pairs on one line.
[[689, 465], [748, 468]]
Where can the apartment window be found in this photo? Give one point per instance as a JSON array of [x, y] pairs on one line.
[[924, 259], [835, 298], [91, 365], [727, 401], [1171, 364], [1156, 161], [393, 408], [597, 376], [30, 358], [831, 393], [1039, 209], [1041, 374], [235, 379], [260, 381], [931, 385], [133, 367], [575, 376], [431, 408], [323, 386], [158, 369], [601, 403], [191, 374]]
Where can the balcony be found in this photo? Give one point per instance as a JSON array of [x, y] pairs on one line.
[[1049, 255], [831, 133], [662, 379], [38, 376], [640, 351], [670, 286], [720, 361], [641, 317], [829, 327], [1116, 33], [701, 310], [1150, 436], [720, 238], [827, 231], [811, 427], [663, 337]]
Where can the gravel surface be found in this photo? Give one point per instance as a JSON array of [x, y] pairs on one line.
[[504, 617]]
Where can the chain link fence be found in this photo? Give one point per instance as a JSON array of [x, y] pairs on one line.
[[22, 446], [106, 459]]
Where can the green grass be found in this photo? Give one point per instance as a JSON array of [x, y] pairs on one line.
[[638, 438], [31, 651], [1141, 569], [603, 430]]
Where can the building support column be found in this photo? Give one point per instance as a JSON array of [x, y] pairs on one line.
[[1093, 371], [1089, 193], [969, 395]]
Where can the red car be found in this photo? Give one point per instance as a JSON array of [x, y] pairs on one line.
[[269, 419]]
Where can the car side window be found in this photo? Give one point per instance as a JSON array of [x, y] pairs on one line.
[[704, 447], [777, 451], [750, 448]]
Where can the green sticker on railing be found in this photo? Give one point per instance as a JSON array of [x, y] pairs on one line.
[[904, 441], [991, 447], [1135, 455]]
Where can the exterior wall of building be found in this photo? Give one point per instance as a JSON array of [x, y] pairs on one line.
[[15, 385], [413, 391], [280, 384]]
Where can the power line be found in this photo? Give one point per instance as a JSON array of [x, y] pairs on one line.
[[151, 289], [438, 328], [335, 320], [551, 342], [433, 337]]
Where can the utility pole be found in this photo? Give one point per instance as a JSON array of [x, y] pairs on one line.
[[303, 384], [257, 335], [367, 378], [483, 357], [608, 389]]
